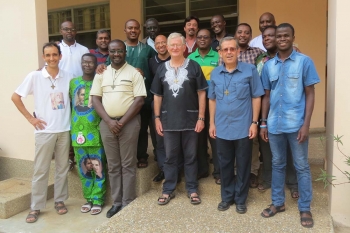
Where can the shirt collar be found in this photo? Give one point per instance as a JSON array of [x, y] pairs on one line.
[[65, 45], [110, 66], [223, 68], [47, 75], [158, 60], [209, 54], [291, 57]]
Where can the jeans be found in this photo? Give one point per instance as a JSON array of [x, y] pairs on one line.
[[278, 144]]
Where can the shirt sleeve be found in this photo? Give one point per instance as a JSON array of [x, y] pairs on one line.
[[139, 87], [211, 91], [26, 87], [256, 87], [310, 76], [265, 78], [202, 83], [71, 84], [96, 88], [157, 86]]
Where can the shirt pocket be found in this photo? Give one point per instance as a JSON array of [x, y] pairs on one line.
[[273, 81], [292, 80], [125, 85], [219, 92], [242, 89]]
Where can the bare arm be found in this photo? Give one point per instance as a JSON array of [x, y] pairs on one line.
[[265, 107], [309, 107], [212, 108], [201, 111], [256, 104], [157, 105], [17, 100]]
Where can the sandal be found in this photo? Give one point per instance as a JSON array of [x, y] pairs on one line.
[[263, 187], [306, 219], [34, 215], [294, 193], [217, 181], [165, 200], [60, 208], [142, 163], [270, 212], [96, 209], [193, 201], [86, 207]]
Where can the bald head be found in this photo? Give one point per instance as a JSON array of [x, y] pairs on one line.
[[265, 20], [131, 20]]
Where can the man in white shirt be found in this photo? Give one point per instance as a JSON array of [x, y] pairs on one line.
[[71, 50], [265, 20], [51, 120]]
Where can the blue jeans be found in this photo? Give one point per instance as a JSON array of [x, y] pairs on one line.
[[278, 144]]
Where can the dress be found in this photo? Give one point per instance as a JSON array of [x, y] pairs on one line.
[[86, 141]]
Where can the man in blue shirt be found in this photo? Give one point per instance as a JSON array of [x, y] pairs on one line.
[[234, 104], [288, 102]]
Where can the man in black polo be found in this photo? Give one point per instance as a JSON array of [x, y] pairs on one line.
[[218, 25]]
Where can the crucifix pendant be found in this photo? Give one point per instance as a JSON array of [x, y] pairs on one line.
[[175, 81], [226, 92], [113, 86], [53, 86]]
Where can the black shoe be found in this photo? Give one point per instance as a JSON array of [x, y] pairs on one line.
[[204, 175], [159, 177], [241, 208], [112, 211], [224, 205]]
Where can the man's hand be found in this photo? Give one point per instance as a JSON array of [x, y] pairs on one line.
[[253, 131], [303, 134], [140, 71], [114, 126], [100, 68], [212, 131], [37, 123], [263, 134], [199, 126], [159, 126]]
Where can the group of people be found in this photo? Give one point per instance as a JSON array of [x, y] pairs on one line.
[[246, 97]]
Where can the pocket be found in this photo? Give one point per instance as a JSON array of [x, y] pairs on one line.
[[292, 80], [219, 92], [243, 90]]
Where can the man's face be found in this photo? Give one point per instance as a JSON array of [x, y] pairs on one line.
[[191, 28], [243, 35], [284, 39], [176, 47], [229, 51], [266, 20], [160, 45], [89, 165], [117, 53], [217, 24], [81, 95], [102, 41], [152, 29], [51, 56], [269, 39], [203, 39], [68, 31], [88, 65], [132, 30]]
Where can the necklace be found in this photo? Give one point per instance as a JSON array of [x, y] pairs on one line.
[[226, 91], [114, 78], [53, 83]]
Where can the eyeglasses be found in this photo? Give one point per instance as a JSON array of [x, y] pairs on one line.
[[160, 43], [87, 63], [231, 49], [69, 29], [116, 51], [176, 45], [152, 28], [203, 37]]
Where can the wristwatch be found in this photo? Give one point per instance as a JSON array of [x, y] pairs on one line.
[[201, 118], [255, 122]]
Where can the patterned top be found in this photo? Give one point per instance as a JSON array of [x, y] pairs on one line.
[[85, 121], [101, 58], [260, 61], [250, 55]]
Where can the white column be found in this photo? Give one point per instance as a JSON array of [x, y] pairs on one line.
[[24, 29], [338, 106]]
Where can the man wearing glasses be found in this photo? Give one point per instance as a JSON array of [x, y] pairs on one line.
[[118, 95], [234, 94], [71, 50], [152, 31]]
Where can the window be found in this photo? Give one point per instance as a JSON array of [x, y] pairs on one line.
[[172, 13]]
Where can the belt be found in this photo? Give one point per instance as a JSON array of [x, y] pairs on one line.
[[116, 118]]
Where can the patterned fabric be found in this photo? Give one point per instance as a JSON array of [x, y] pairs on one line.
[[260, 61], [250, 55], [101, 58]]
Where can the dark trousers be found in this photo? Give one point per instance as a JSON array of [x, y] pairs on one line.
[[177, 142], [146, 121], [234, 188]]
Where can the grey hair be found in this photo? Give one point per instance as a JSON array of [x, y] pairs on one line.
[[176, 35], [228, 38]]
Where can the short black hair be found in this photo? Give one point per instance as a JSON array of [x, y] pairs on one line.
[[286, 25], [203, 29], [221, 16], [52, 44], [189, 18], [270, 26], [244, 24], [90, 55], [118, 41], [131, 20], [151, 19], [101, 31]]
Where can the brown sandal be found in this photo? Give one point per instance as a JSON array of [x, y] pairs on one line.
[[33, 214], [60, 208]]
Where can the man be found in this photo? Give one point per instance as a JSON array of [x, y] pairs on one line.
[[179, 107], [118, 95], [288, 80], [71, 50], [208, 59], [86, 140], [248, 54], [266, 19], [191, 28], [152, 31], [234, 105], [269, 42], [103, 37], [218, 25], [49, 87]]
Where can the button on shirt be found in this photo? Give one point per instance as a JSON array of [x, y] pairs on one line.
[[233, 115], [71, 58], [286, 81]]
